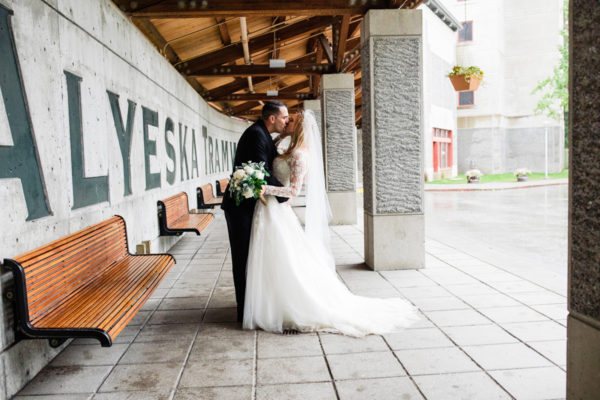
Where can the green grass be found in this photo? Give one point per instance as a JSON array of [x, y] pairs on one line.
[[507, 177]]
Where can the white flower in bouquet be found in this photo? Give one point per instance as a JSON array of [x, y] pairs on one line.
[[239, 174], [259, 175], [248, 169], [248, 193]]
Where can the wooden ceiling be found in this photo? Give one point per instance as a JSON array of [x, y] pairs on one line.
[[223, 47]]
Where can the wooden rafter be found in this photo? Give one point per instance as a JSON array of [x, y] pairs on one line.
[[340, 36], [265, 70], [223, 31], [258, 43], [212, 8], [326, 46], [264, 96], [241, 108]]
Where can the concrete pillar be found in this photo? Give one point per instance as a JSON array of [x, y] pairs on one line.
[[583, 324], [392, 109], [337, 103]]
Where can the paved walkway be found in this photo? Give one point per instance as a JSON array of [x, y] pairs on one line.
[[485, 333]]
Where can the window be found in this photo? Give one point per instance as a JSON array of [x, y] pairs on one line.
[[466, 98], [442, 149], [466, 33]]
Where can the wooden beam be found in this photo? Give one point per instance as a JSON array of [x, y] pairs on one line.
[[340, 36], [265, 70], [258, 43], [213, 8], [239, 109], [263, 96], [150, 31], [326, 46], [223, 31]]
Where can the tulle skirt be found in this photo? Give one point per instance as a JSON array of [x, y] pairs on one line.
[[290, 286]]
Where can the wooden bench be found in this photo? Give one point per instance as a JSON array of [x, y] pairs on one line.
[[86, 284], [174, 217], [221, 186], [205, 197]]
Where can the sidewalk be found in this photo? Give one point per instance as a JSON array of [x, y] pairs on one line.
[[438, 187], [485, 334]]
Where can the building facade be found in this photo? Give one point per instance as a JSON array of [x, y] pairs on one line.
[[516, 44]]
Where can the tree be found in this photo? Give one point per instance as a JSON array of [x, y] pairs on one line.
[[554, 102]]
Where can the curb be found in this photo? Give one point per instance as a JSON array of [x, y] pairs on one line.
[[472, 189]]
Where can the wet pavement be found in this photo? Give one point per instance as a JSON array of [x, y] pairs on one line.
[[491, 298]]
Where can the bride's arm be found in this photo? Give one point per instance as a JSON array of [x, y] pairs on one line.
[[298, 171]]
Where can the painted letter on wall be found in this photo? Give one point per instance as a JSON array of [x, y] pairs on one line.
[[20, 160], [150, 118], [124, 136], [86, 191]]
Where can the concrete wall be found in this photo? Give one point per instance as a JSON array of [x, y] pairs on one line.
[[497, 150], [73, 58], [439, 98]]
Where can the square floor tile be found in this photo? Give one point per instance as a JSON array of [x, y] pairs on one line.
[[418, 339], [489, 300], [297, 391], [150, 377], [220, 315], [271, 345], [172, 333], [540, 297], [340, 344], [457, 318], [217, 373], [166, 352], [467, 386], [364, 365], [512, 314], [228, 347], [134, 395], [183, 303], [506, 356], [479, 334], [378, 389], [176, 317], [214, 393], [89, 355], [537, 331], [424, 292], [292, 370], [555, 350], [86, 396], [534, 383], [436, 361], [67, 379], [440, 303], [554, 311]]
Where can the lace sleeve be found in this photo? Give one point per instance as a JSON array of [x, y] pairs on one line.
[[298, 169]]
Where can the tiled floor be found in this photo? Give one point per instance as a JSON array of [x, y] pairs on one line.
[[485, 334]]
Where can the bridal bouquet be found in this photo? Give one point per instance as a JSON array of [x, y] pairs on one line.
[[247, 181]]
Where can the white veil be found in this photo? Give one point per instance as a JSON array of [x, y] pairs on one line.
[[318, 211]]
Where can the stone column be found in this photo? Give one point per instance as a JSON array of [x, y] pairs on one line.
[[337, 103], [392, 109], [583, 323]]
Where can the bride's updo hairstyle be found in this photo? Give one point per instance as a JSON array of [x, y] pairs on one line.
[[297, 136]]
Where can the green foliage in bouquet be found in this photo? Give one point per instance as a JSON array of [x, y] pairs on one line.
[[247, 181]]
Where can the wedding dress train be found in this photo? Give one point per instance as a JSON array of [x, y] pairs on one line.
[[289, 282]]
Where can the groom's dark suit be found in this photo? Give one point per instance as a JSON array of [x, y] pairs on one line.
[[255, 145]]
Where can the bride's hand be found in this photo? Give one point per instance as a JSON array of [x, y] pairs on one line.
[[262, 195]]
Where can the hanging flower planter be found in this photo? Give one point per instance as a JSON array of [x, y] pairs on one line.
[[465, 78]]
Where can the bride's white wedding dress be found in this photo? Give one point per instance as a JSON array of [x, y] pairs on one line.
[[290, 284]]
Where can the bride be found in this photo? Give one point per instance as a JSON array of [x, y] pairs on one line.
[[291, 283]]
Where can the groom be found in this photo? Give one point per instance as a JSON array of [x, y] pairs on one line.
[[255, 145]]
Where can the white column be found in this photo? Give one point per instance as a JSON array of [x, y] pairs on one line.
[[392, 108], [337, 104]]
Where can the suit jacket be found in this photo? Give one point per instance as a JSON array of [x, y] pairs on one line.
[[255, 145]]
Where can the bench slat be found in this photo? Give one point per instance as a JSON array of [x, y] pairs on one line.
[[175, 218]]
